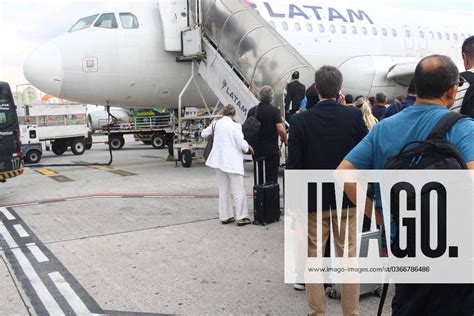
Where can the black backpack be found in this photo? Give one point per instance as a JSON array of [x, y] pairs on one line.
[[251, 128], [433, 153], [468, 101]]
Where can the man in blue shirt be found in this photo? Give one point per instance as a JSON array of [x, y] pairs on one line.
[[395, 108], [436, 81]]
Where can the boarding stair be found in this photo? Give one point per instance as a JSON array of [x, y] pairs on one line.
[[236, 52]]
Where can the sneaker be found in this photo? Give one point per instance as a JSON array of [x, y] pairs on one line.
[[299, 286]]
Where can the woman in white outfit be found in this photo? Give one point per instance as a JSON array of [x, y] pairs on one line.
[[227, 158]]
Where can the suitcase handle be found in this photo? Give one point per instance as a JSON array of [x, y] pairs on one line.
[[256, 163]]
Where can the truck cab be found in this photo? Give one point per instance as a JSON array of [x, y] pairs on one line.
[[32, 148]]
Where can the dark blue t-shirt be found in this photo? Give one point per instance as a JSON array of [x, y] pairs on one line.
[[393, 109]]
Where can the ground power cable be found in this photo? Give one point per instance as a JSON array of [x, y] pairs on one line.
[[85, 164]]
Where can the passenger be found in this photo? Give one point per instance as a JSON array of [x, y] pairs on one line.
[[372, 101], [227, 158], [360, 97], [319, 139], [312, 97], [341, 99], [436, 80], [349, 99], [369, 119], [295, 93], [465, 97], [407, 102], [378, 110], [271, 126]]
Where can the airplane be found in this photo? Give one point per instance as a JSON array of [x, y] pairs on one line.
[[126, 55]]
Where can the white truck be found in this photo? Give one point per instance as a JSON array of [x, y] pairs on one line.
[[63, 125], [31, 147]]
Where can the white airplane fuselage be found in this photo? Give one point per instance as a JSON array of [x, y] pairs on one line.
[[131, 68]]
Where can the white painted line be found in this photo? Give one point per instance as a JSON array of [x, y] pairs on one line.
[[21, 231], [46, 298], [7, 214], [37, 253], [71, 297]]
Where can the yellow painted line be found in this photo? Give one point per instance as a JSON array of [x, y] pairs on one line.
[[101, 167], [46, 172], [96, 167]]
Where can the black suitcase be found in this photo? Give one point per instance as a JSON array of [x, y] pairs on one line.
[[266, 198]]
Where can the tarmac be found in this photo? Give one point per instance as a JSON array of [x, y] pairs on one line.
[[141, 237]]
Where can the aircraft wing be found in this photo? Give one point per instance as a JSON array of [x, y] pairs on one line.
[[402, 73]]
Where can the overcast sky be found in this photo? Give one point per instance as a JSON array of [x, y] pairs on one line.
[[26, 24]]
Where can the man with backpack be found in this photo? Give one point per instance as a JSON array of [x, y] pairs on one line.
[[465, 97], [437, 81]]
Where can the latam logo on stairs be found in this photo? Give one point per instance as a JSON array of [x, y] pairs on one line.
[[235, 98]]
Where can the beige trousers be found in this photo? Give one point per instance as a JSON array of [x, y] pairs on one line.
[[315, 292]]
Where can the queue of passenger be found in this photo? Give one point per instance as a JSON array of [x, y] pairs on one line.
[[337, 132]]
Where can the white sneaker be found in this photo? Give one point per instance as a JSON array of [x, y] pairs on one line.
[[299, 286]]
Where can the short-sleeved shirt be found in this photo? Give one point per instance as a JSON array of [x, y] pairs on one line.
[[412, 124], [269, 116]]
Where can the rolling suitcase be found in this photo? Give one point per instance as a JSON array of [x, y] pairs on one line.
[[266, 198], [334, 291]]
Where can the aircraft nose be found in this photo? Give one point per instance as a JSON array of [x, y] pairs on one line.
[[43, 69]]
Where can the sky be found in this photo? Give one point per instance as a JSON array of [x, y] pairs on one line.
[[26, 24]]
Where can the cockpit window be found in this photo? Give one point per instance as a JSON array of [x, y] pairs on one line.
[[107, 21], [129, 21], [83, 23]]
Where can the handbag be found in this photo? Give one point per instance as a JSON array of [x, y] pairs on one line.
[[210, 143]]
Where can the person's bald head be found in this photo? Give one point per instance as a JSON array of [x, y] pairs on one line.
[[434, 76]]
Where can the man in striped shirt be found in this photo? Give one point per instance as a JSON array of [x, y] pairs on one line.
[[465, 97]]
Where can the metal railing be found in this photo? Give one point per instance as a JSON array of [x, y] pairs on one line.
[[161, 122]]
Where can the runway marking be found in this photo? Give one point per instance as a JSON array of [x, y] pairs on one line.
[[21, 231], [61, 179], [46, 172], [87, 165], [150, 195], [50, 287], [71, 297], [37, 253], [7, 214], [101, 167], [44, 295], [123, 173]]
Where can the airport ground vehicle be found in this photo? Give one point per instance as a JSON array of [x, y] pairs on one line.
[[150, 127], [32, 148], [11, 164], [63, 125]]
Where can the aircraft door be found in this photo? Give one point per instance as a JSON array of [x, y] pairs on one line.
[[194, 17], [408, 35], [422, 36], [174, 18]]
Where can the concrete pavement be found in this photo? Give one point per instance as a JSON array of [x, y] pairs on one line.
[[146, 240]]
